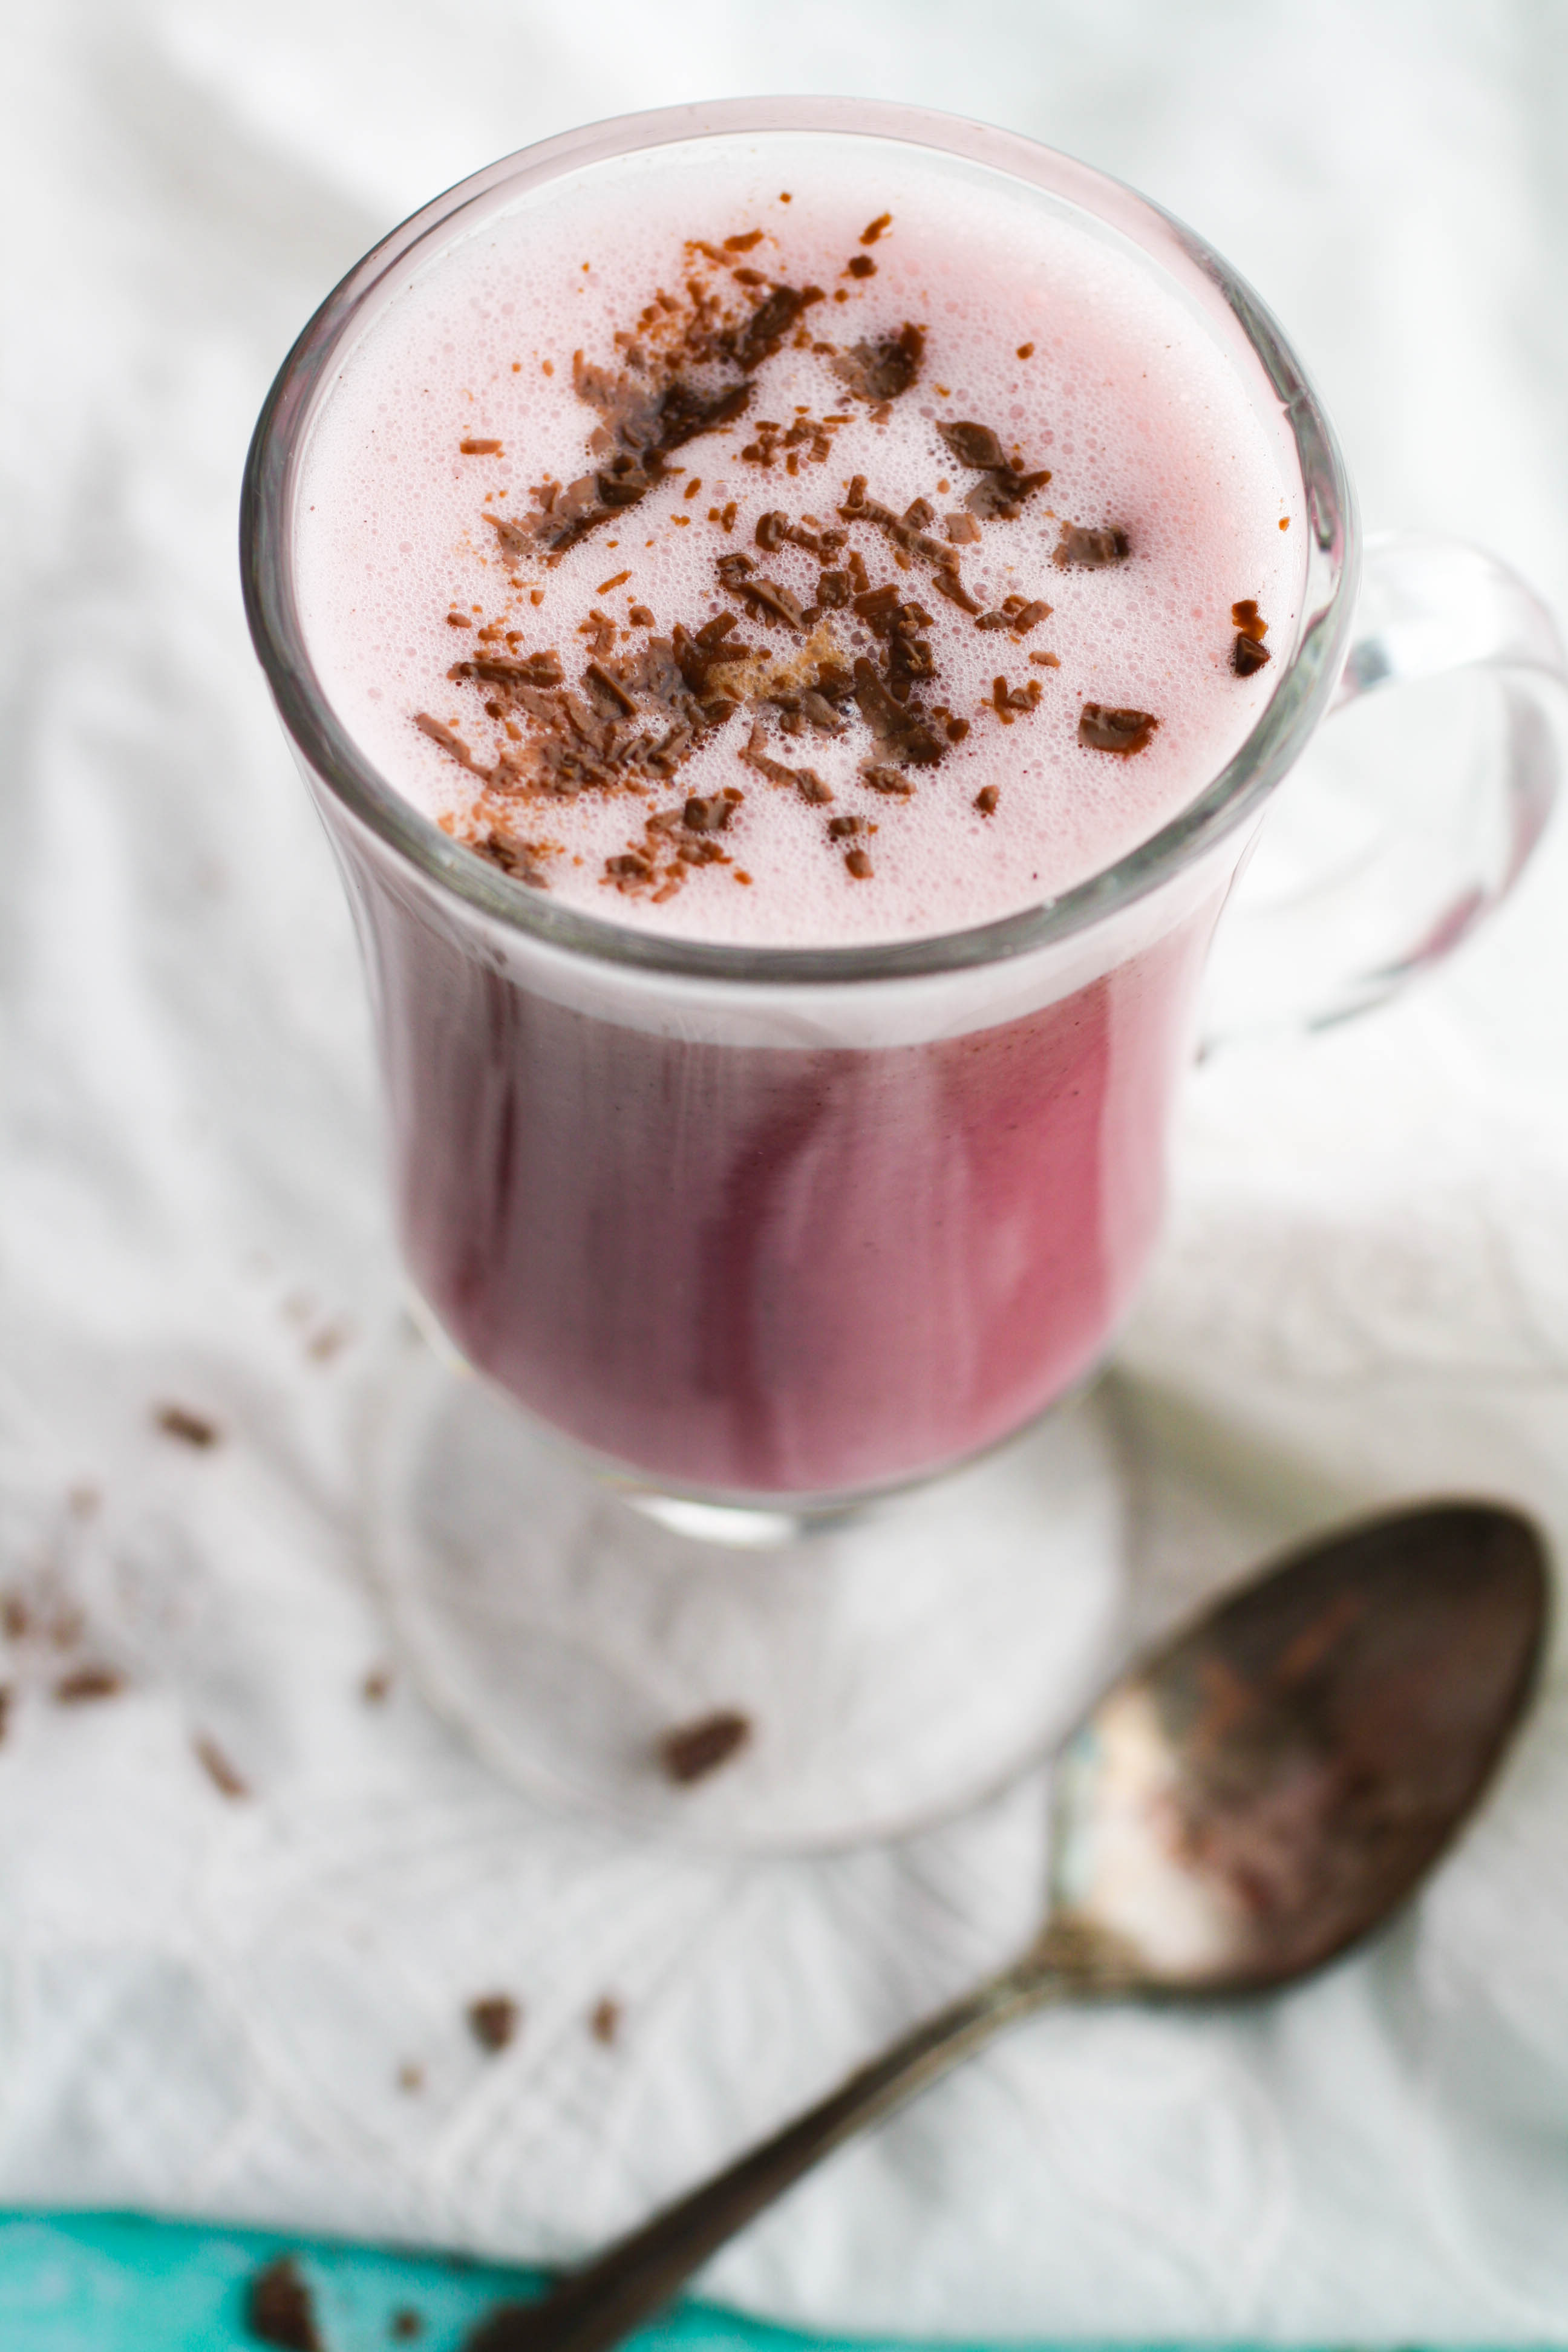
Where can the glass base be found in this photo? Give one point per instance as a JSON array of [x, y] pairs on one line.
[[734, 1679]]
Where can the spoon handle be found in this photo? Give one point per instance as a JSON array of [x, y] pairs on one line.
[[594, 2308]]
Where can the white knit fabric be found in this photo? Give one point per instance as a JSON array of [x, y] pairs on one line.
[[206, 1998]]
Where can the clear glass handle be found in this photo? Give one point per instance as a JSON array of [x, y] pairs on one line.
[[1412, 813]]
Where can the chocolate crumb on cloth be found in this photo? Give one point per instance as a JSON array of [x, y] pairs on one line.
[[493, 2020], [191, 1428], [88, 1682], [691, 1750], [217, 1768], [279, 2308]]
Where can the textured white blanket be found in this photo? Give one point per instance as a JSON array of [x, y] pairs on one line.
[[242, 1906]]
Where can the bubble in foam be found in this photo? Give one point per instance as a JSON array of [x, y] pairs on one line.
[[1148, 431]]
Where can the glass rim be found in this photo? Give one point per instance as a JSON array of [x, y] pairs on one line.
[[1306, 678]]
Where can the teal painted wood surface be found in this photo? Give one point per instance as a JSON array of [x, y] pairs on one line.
[[117, 2282]]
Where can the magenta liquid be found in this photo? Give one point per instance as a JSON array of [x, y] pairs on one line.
[[787, 563], [786, 1272]]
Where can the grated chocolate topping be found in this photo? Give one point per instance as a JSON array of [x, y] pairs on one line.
[[778, 664]]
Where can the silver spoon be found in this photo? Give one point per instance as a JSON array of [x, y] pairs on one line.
[[1238, 1809]]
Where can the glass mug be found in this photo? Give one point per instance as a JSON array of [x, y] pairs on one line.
[[770, 1236]]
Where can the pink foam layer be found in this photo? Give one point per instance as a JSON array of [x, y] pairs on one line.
[[1125, 397]]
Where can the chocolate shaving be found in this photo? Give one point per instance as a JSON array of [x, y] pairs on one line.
[[513, 856], [1102, 729], [683, 414], [774, 528], [975, 445], [877, 607], [695, 655], [505, 675], [1081, 550], [769, 323], [873, 229], [907, 533], [773, 603], [806, 781], [883, 370], [859, 866], [1001, 492], [997, 497], [948, 583], [1249, 653], [1016, 614], [519, 540], [448, 741], [909, 658], [1008, 701], [807, 706], [479, 448], [692, 1750], [711, 814], [902, 731], [609, 690]]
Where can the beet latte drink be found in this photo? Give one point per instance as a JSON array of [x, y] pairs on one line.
[[772, 573]]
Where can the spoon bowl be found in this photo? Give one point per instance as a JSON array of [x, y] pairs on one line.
[[1250, 1801], [1276, 1780]]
